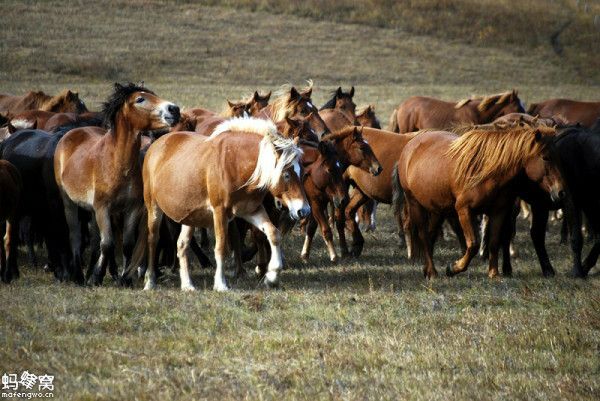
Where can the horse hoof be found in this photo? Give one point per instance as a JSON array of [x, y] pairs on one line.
[[548, 273], [356, 252], [149, 286], [334, 259], [578, 273], [188, 288], [304, 258], [126, 282], [449, 271], [220, 287]]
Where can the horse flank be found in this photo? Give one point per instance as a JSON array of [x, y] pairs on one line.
[[482, 154], [276, 153]]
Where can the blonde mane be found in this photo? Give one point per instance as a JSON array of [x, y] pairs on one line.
[[283, 106], [275, 154], [487, 101], [482, 154], [49, 103]]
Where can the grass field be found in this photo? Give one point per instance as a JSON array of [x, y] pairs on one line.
[[370, 328]]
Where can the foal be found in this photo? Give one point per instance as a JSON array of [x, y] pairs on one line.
[[99, 171]]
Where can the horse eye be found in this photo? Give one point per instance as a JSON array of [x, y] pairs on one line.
[[286, 176], [139, 99]]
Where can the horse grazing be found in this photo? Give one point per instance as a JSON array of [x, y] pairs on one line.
[[207, 181], [419, 112], [99, 171], [446, 175], [10, 192], [571, 111], [66, 101], [579, 152], [293, 103]]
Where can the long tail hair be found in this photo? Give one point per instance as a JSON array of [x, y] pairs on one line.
[[393, 124]]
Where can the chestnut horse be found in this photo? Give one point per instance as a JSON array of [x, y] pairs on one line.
[[207, 181], [419, 112], [571, 111], [50, 121], [10, 192], [365, 116], [446, 175], [99, 171], [343, 102], [66, 101], [293, 103]]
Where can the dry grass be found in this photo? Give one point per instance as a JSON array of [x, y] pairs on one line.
[[364, 329]]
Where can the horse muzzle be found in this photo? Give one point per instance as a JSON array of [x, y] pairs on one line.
[[376, 169], [558, 196], [170, 113]]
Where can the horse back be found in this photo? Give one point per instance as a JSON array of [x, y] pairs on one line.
[[573, 111]]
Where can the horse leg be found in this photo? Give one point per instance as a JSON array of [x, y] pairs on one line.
[[574, 220], [4, 271], [340, 224], [200, 255], [221, 227], [539, 221], [236, 246], [592, 258], [94, 246], [465, 217], [183, 245], [74, 224], [155, 216], [130, 225], [261, 220], [107, 246], [309, 234], [319, 212], [484, 235], [418, 217], [204, 240], [358, 199]]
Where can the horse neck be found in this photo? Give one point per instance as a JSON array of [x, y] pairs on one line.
[[125, 141]]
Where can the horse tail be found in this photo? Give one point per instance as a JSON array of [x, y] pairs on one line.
[[140, 251], [399, 207], [532, 109], [393, 124]]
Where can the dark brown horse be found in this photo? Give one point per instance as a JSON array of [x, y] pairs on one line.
[[571, 111], [446, 175], [206, 182], [99, 171], [10, 192], [418, 112], [365, 116], [66, 101], [343, 102]]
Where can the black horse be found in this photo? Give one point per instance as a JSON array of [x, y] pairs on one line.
[[32, 153], [579, 151]]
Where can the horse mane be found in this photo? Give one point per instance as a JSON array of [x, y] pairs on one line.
[[499, 98], [283, 105], [275, 154], [461, 103], [341, 134], [482, 154], [51, 102], [227, 111], [117, 99]]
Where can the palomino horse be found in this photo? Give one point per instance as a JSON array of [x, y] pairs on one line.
[[446, 175], [418, 112], [66, 101], [10, 192], [293, 103], [571, 111], [99, 171], [206, 182]]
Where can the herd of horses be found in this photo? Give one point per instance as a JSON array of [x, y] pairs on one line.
[[140, 176]]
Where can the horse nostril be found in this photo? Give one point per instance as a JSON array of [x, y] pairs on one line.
[[173, 109], [561, 194]]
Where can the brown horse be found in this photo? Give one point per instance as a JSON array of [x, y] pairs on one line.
[[66, 101], [418, 112], [365, 116], [343, 102], [446, 175], [206, 182], [293, 103], [10, 192], [99, 171], [50, 121], [571, 111]]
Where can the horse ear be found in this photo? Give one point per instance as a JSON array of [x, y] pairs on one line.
[[267, 96], [230, 104], [307, 93], [357, 133], [338, 92], [538, 135], [11, 128], [352, 91], [256, 96], [294, 93], [291, 122]]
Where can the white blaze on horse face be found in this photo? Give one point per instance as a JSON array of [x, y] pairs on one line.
[[309, 104], [522, 104], [163, 111], [297, 168]]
